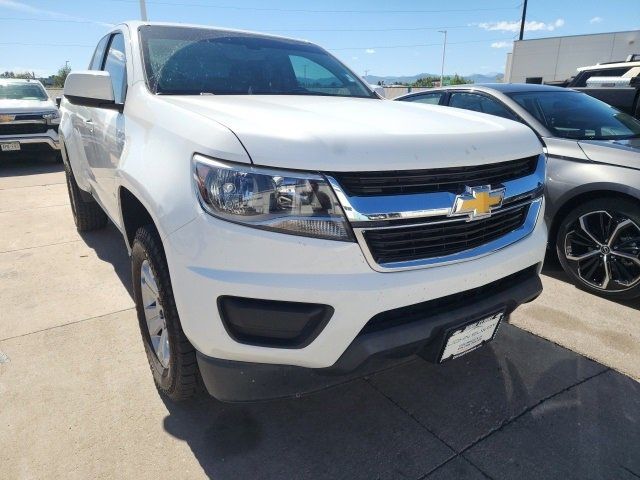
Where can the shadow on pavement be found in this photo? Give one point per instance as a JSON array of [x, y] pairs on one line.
[[109, 246], [28, 166], [496, 410]]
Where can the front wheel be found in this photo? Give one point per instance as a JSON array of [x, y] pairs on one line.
[[598, 246], [171, 356], [87, 214]]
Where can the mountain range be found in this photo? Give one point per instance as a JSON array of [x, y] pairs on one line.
[[475, 77]]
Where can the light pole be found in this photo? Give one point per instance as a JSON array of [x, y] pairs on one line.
[[524, 18], [143, 11], [444, 50]]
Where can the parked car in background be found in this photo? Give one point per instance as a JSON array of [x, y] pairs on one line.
[[284, 221], [593, 171], [615, 83], [29, 121]]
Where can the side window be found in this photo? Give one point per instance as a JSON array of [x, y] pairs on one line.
[[116, 65], [313, 77], [430, 98], [98, 55], [479, 103]]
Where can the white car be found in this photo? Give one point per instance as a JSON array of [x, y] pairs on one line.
[[29, 120], [284, 222]]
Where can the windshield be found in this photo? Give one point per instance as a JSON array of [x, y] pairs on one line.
[[22, 91], [570, 114], [194, 61]]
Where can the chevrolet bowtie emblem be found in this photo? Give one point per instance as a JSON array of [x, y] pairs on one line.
[[477, 202], [7, 118]]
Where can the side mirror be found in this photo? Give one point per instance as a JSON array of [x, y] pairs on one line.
[[90, 88], [58, 101]]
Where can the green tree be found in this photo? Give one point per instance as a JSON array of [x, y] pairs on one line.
[[61, 76], [29, 75], [458, 80], [425, 82]]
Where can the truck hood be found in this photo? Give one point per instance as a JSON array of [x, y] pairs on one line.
[[342, 134], [26, 106], [625, 153]]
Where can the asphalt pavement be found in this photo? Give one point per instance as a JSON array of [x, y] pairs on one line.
[[556, 395]]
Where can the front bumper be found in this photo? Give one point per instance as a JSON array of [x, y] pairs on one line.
[[209, 258], [46, 142], [371, 350]]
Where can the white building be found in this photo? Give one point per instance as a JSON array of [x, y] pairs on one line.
[[557, 58]]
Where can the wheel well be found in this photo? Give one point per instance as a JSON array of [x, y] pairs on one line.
[[577, 200], [134, 214]]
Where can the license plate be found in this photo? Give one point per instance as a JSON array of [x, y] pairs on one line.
[[10, 147], [468, 338]]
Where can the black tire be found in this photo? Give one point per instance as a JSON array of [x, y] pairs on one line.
[[587, 232], [180, 379], [87, 214]]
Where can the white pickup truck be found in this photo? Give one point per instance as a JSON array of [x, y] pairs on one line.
[[29, 120], [285, 223]]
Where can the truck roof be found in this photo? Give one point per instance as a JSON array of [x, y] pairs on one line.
[[631, 61], [135, 24], [7, 81]]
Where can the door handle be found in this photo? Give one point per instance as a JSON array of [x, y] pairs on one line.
[[89, 123]]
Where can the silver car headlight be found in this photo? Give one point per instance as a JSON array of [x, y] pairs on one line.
[[52, 118], [298, 203]]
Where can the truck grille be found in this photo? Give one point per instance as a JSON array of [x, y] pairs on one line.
[[23, 128], [451, 180], [438, 239]]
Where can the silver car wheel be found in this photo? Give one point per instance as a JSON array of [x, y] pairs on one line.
[[154, 314], [603, 250]]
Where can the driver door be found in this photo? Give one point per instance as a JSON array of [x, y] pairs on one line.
[[108, 127]]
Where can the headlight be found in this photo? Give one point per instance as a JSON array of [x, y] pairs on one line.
[[298, 203], [52, 118]]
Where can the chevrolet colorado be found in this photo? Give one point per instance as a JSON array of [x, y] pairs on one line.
[[285, 223], [28, 120]]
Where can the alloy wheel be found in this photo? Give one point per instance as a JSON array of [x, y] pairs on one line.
[[603, 250], [154, 314]]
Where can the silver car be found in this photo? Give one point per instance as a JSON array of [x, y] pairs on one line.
[[593, 187]]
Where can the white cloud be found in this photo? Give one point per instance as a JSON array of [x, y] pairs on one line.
[[514, 26], [370, 51], [24, 8], [500, 44], [595, 20]]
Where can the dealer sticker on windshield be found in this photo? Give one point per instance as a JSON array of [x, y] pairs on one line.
[[471, 336]]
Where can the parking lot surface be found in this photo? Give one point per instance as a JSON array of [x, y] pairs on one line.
[[77, 399]]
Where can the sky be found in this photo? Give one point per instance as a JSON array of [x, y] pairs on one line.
[[378, 37]]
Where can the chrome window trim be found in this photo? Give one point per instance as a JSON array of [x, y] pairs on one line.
[[483, 250], [397, 207]]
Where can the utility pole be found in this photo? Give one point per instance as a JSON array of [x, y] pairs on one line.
[[524, 17], [143, 11], [444, 51]]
